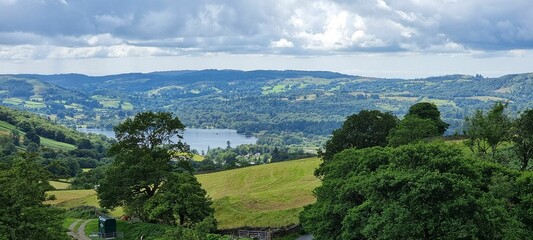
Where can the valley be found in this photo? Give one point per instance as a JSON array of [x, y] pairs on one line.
[[297, 107]]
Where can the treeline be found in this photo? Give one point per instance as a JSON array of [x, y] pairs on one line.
[[246, 155]]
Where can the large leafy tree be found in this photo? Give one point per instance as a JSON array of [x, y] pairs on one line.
[[487, 131], [417, 191], [147, 157], [22, 212], [368, 128]]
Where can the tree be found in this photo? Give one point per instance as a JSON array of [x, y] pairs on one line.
[[412, 129], [417, 191], [32, 147], [31, 136], [427, 110], [15, 135], [84, 144], [146, 157], [180, 198], [487, 131], [368, 128], [522, 138], [7, 147], [22, 213]]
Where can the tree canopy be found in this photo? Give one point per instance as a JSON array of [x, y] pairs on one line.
[[418, 191], [486, 131], [180, 198], [368, 128], [427, 110], [412, 129]]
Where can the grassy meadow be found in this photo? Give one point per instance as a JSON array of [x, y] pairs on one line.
[[264, 195]]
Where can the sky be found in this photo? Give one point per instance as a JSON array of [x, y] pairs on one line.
[[377, 38]]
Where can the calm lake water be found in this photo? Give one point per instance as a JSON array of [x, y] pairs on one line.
[[199, 139]]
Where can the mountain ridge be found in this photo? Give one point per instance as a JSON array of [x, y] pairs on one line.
[[312, 102]]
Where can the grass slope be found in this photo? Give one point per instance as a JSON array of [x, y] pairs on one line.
[[265, 195], [60, 185], [5, 128]]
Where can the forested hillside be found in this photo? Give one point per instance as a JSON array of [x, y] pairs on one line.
[[314, 103], [60, 150]]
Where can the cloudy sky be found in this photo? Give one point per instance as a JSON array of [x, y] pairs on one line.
[[384, 38]]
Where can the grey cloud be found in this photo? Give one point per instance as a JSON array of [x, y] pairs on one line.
[[255, 26]]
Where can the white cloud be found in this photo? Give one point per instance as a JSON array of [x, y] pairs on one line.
[[102, 40], [282, 43]]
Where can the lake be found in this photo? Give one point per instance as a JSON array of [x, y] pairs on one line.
[[199, 139]]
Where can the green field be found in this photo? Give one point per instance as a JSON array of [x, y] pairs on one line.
[[65, 196], [265, 195], [197, 157], [107, 102], [126, 106], [32, 104], [60, 185], [55, 144], [6, 127], [13, 101], [74, 198]]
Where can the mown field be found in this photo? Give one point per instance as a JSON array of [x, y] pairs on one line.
[[264, 195]]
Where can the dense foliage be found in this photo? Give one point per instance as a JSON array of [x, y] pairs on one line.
[[521, 134], [422, 191], [412, 129], [421, 122], [23, 183], [362, 130], [427, 110], [487, 131]]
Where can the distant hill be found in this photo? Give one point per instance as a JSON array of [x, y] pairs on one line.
[[311, 102], [52, 135]]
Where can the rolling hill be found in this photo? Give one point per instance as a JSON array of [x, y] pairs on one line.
[[264, 195], [51, 134], [310, 102]]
